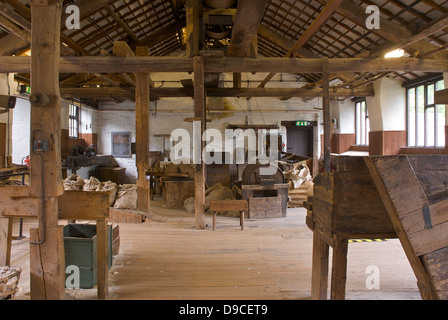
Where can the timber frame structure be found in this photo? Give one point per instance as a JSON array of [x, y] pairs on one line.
[[121, 42]]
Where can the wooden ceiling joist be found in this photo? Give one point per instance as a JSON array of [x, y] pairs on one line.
[[306, 36], [327, 28], [94, 92], [228, 64]]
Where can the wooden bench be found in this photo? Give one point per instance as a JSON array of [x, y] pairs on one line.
[[229, 205]]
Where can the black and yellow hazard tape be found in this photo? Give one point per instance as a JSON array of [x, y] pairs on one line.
[[367, 240]]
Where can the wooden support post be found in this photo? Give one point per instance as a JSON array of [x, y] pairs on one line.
[[319, 276], [326, 113], [339, 268], [102, 259], [237, 80], [199, 168], [5, 241], [142, 132], [192, 29], [47, 266]]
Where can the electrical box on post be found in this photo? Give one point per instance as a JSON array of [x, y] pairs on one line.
[[40, 146]]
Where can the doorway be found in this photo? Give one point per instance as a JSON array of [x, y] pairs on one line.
[[299, 141]]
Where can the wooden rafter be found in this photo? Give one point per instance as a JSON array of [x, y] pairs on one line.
[[97, 64], [312, 29], [92, 92], [123, 24]]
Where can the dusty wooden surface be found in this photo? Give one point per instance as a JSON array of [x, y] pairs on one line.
[[166, 258]]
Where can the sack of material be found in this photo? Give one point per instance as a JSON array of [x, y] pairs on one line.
[[91, 184], [73, 183], [189, 205], [298, 175], [112, 188], [126, 197]]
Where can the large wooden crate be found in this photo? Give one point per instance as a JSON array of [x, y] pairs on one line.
[[347, 201], [176, 192], [266, 201], [265, 207]]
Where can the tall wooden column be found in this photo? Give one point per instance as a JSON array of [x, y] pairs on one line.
[[192, 9], [47, 266], [142, 132], [326, 112], [199, 114]]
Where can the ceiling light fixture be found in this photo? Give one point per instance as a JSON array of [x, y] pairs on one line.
[[395, 54]]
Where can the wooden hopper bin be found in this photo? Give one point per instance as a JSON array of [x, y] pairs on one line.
[[382, 197], [346, 202], [345, 205], [414, 190]]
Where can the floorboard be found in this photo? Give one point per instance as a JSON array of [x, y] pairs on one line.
[[165, 258]]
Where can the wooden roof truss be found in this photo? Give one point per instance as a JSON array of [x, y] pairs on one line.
[[284, 28]]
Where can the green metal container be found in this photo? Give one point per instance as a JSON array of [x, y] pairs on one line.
[[80, 245]]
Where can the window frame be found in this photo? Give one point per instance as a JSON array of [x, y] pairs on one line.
[[361, 124], [416, 131], [73, 118]]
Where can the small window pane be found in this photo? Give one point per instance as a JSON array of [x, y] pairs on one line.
[[411, 117], [441, 120], [429, 127], [430, 94], [421, 116]]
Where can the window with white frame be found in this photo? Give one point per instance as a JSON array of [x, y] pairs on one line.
[[425, 119], [73, 124], [362, 124]]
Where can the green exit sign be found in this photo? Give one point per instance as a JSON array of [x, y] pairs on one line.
[[25, 89], [303, 123]]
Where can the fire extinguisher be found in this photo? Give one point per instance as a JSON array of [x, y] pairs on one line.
[[26, 161]]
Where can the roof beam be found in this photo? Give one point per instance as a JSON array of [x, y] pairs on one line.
[[180, 92], [427, 31], [161, 35], [389, 30], [192, 9], [123, 24], [121, 49], [247, 19], [99, 64], [396, 35], [302, 52], [312, 29], [14, 44], [283, 43]]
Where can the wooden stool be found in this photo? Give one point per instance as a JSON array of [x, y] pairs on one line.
[[228, 205]]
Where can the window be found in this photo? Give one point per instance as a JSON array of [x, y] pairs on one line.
[[73, 124], [425, 120], [362, 125], [121, 144]]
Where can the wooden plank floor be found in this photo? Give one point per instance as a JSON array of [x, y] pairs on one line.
[[166, 258]]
